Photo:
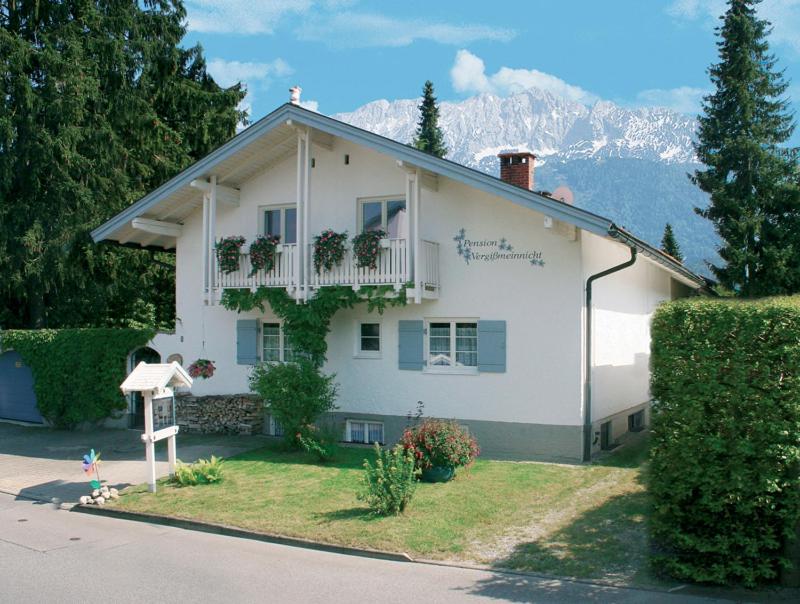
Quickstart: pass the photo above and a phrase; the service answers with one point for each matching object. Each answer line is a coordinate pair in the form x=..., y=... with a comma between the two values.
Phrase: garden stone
x=84, y=499
x=96, y=493
x=100, y=500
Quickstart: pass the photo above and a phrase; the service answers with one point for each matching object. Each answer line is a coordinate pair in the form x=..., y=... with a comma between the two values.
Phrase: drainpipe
x=587, y=384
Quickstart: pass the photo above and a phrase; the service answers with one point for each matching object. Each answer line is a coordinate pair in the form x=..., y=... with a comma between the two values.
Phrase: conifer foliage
x=751, y=175
x=430, y=137
x=669, y=244
x=98, y=105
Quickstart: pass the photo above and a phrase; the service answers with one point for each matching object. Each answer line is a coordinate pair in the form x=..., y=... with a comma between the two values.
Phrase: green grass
x=585, y=521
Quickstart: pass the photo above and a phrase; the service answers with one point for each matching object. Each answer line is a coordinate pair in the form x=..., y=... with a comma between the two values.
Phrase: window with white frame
x=280, y=221
x=385, y=214
x=364, y=431
x=276, y=346
x=368, y=339
x=452, y=343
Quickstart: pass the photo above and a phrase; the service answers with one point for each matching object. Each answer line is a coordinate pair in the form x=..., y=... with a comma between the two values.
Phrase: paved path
x=49, y=555
x=44, y=464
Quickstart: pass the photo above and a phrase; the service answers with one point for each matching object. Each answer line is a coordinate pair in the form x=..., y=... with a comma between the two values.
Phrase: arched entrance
x=148, y=355
x=17, y=398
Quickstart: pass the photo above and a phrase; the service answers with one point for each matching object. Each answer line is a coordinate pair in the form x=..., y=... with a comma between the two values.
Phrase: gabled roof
x=155, y=376
x=272, y=134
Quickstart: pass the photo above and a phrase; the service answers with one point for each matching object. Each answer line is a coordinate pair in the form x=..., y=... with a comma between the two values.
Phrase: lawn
x=583, y=521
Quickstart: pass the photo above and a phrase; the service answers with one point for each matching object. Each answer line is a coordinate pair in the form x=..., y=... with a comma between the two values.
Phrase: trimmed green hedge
x=76, y=372
x=726, y=437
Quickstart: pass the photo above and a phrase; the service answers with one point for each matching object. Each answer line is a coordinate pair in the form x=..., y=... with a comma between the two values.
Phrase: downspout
x=587, y=384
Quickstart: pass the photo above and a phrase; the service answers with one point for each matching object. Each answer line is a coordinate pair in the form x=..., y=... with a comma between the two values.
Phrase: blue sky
x=345, y=53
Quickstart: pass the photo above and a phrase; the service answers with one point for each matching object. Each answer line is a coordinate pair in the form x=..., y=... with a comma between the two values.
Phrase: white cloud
x=310, y=105
x=683, y=99
x=241, y=16
x=468, y=74
x=349, y=29
x=228, y=73
x=784, y=15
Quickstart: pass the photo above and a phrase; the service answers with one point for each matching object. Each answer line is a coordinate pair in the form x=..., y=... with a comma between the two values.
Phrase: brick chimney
x=517, y=168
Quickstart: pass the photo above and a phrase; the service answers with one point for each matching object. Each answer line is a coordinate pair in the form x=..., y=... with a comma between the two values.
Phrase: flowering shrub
x=202, y=368
x=262, y=253
x=329, y=249
x=388, y=487
x=440, y=443
x=228, y=251
x=367, y=248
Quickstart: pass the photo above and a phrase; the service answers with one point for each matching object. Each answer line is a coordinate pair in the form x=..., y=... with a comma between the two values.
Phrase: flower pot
x=437, y=474
x=278, y=248
x=385, y=243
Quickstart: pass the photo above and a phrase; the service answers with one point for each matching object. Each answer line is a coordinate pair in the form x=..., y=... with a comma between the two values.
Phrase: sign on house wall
x=492, y=250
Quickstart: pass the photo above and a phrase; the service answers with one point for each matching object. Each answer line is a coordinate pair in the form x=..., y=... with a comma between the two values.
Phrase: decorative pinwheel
x=89, y=465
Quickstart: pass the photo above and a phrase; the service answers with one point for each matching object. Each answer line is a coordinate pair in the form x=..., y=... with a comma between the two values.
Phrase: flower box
x=385, y=243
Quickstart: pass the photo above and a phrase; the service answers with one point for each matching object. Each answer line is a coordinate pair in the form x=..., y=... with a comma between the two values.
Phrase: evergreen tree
x=670, y=245
x=98, y=105
x=751, y=177
x=429, y=137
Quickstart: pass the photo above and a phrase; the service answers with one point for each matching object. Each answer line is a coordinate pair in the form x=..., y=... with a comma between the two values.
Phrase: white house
x=528, y=318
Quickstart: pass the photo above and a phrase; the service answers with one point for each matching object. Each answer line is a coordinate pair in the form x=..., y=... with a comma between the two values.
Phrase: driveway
x=41, y=463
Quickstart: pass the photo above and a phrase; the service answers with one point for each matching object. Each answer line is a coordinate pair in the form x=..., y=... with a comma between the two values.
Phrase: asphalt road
x=53, y=555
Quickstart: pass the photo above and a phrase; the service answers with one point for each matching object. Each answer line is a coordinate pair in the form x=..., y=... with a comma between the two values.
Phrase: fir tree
x=99, y=103
x=751, y=177
x=669, y=244
x=429, y=136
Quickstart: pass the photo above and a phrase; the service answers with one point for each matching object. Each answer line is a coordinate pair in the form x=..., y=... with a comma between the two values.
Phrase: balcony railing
x=394, y=267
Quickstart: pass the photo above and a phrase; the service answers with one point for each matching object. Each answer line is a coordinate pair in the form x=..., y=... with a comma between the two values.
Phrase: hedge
x=76, y=372
x=726, y=438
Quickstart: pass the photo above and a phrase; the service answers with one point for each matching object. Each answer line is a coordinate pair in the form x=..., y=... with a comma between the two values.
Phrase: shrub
x=77, y=372
x=321, y=441
x=388, y=487
x=296, y=394
x=203, y=471
x=440, y=443
x=726, y=437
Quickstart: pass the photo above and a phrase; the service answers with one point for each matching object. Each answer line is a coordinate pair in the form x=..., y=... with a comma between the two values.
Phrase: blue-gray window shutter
x=492, y=346
x=411, y=345
x=247, y=341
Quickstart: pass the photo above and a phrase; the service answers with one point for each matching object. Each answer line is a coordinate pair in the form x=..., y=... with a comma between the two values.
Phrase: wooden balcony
x=394, y=267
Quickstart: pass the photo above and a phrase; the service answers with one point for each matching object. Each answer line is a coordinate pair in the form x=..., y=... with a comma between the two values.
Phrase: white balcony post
x=306, y=208
x=417, y=186
x=206, y=251
x=212, y=235
x=299, y=260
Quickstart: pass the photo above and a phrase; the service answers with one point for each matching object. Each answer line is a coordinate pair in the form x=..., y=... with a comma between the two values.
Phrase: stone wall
x=228, y=413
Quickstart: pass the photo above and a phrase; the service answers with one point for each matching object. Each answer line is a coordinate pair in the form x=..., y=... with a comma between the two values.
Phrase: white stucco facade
x=534, y=406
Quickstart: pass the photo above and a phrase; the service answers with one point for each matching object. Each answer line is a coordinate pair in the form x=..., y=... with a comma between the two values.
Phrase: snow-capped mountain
x=629, y=164
x=479, y=127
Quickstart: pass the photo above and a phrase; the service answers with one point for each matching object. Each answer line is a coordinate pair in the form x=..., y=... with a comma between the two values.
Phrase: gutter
x=587, y=384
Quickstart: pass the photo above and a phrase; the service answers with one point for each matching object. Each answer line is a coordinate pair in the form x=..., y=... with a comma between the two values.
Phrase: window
x=452, y=344
x=636, y=421
x=368, y=340
x=276, y=344
x=384, y=214
x=367, y=432
x=281, y=221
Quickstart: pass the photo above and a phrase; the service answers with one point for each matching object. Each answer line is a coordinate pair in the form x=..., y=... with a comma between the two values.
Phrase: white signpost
x=156, y=383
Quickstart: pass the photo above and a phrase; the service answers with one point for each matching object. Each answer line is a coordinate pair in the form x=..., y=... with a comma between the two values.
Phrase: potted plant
x=202, y=368
x=262, y=253
x=229, y=250
x=329, y=249
x=367, y=248
x=440, y=446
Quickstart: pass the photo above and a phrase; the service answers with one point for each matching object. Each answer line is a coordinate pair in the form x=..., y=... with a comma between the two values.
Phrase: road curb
x=230, y=531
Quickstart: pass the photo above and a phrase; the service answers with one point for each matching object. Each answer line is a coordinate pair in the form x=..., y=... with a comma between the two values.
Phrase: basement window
x=364, y=431
x=636, y=421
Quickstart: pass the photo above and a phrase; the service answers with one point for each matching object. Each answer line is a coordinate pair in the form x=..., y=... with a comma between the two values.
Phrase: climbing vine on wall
x=76, y=372
x=308, y=324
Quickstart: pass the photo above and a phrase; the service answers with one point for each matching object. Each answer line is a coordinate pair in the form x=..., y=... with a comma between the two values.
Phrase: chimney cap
x=516, y=154
x=294, y=95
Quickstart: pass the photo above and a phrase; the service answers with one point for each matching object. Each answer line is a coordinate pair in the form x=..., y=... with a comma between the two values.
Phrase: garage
x=17, y=398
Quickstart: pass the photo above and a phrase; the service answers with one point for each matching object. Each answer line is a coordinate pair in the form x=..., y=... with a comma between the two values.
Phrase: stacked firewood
x=229, y=414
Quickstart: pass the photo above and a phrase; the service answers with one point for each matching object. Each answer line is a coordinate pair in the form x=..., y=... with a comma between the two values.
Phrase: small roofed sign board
x=157, y=381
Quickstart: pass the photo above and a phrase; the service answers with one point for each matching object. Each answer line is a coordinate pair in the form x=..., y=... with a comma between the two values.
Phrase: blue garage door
x=17, y=399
